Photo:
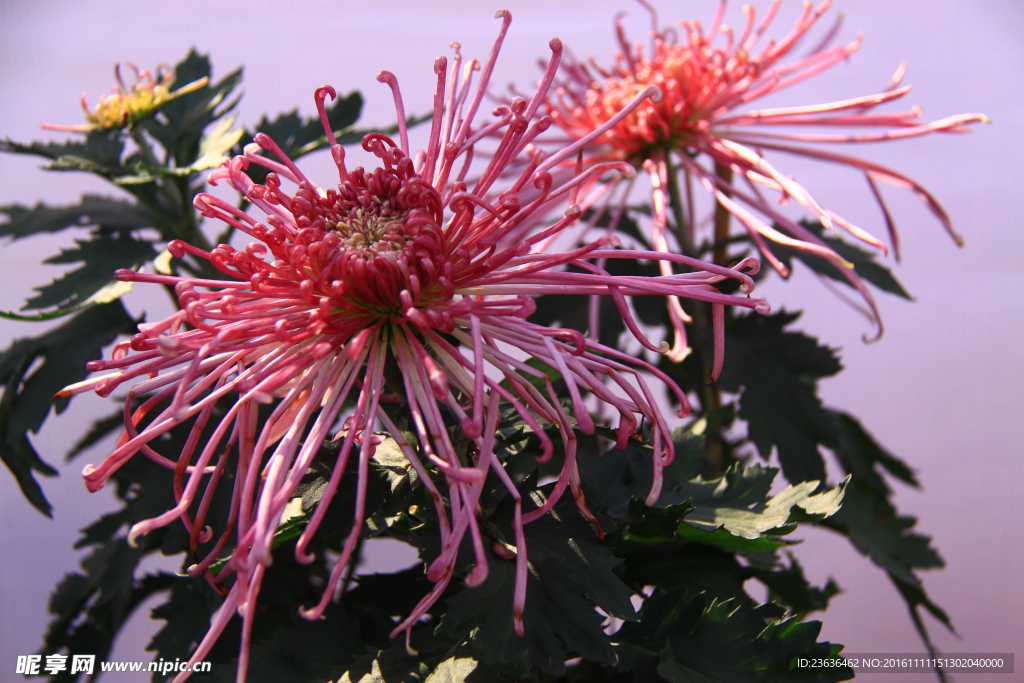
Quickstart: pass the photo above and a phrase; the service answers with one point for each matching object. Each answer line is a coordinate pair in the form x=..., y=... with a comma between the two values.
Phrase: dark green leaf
x=859, y=454
x=735, y=507
x=64, y=351
x=106, y=214
x=100, y=256
x=187, y=613
x=864, y=263
x=725, y=641
x=872, y=525
x=180, y=123
x=696, y=567
x=303, y=651
x=100, y=429
x=876, y=531
x=777, y=371
x=616, y=478
x=553, y=605
x=100, y=153
x=788, y=585
x=570, y=572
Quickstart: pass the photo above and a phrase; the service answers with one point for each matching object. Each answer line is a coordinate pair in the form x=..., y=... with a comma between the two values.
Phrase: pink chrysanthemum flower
x=701, y=128
x=126, y=105
x=391, y=265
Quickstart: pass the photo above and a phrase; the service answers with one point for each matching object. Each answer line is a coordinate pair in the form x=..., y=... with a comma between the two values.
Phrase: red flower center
x=377, y=234
x=693, y=79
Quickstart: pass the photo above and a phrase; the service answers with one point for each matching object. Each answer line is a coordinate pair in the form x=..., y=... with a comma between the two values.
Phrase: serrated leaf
x=872, y=525
x=859, y=454
x=302, y=652
x=187, y=612
x=553, y=605
x=616, y=478
x=725, y=641
x=876, y=531
x=777, y=513
x=99, y=153
x=789, y=585
x=864, y=262
x=97, y=432
x=21, y=459
x=569, y=574
x=27, y=397
x=216, y=142
x=730, y=512
x=564, y=536
x=777, y=371
x=180, y=124
x=106, y=214
x=101, y=257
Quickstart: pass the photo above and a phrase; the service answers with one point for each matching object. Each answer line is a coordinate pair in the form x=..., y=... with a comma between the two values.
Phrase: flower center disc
x=378, y=234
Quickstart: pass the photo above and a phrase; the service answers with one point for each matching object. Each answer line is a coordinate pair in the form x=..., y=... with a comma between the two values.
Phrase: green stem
x=721, y=255
x=684, y=232
x=701, y=328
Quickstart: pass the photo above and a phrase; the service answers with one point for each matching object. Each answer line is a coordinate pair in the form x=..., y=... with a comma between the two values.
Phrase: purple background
x=942, y=389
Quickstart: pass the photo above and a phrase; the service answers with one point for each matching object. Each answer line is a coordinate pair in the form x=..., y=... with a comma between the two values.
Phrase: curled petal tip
x=665, y=348
x=503, y=13
x=325, y=90
x=555, y=44
x=654, y=93
x=134, y=533
x=310, y=613
x=477, y=576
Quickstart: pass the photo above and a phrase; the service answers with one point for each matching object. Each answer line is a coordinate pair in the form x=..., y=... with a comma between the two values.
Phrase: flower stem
x=709, y=394
x=721, y=256
x=684, y=232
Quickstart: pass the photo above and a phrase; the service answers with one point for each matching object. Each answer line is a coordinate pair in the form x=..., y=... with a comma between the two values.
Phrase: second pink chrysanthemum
x=703, y=132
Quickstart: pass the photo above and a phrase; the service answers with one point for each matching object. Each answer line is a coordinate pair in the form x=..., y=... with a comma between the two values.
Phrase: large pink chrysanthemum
x=701, y=128
x=389, y=266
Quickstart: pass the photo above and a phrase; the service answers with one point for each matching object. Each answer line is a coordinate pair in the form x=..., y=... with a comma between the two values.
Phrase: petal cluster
x=409, y=266
x=701, y=128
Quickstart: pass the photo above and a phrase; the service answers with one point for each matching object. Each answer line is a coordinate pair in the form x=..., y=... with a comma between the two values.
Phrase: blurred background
x=943, y=389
